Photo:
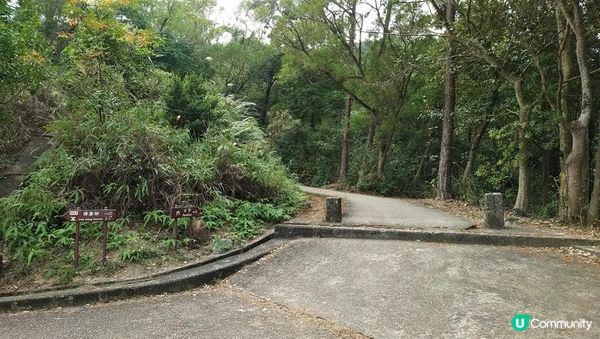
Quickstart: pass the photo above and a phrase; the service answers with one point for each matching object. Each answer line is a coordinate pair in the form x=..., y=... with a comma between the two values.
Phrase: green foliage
x=132, y=137
x=136, y=254
x=61, y=272
x=191, y=104
x=243, y=218
x=550, y=210
x=23, y=53
x=220, y=244
x=137, y=163
x=157, y=217
x=168, y=243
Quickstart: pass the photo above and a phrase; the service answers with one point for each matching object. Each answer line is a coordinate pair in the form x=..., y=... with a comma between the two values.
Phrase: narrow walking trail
x=367, y=210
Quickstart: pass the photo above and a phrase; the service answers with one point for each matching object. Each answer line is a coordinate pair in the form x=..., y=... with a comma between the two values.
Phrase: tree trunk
x=468, y=173
x=265, y=109
x=594, y=210
x=522, y=201
x=419, y=174
x=371, y=133
x=445, y=166
x=345, y=140
x=576, y=165
x=574, y=169
x=383, y=149
x=469, y=168
x=562, y=95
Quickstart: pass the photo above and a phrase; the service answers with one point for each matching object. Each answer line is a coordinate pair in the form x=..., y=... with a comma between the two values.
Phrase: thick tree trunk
x=522, y=201
x=345, y=140
x=574, y=169
x=445, y=166
x=576, y=166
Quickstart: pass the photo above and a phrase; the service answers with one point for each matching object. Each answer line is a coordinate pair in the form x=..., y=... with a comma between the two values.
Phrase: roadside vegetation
x=129, y=135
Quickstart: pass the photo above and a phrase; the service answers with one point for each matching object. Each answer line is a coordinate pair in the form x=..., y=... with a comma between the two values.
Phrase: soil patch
x=313, y=211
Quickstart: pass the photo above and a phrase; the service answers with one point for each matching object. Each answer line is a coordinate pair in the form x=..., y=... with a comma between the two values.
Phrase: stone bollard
x=333, y=209
x=494, y=212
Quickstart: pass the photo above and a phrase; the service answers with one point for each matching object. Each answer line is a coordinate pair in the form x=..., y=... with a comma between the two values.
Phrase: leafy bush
x=136, y=254
x=221, y=245
x=190, y=103
x=135, y=162
x=243, y=218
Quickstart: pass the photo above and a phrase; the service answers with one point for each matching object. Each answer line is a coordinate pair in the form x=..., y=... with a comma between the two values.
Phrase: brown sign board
x=91, y=215
x=184, y=212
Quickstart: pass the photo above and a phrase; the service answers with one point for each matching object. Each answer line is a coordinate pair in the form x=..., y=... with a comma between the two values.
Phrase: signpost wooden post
x=77, y=216
x=184, y=212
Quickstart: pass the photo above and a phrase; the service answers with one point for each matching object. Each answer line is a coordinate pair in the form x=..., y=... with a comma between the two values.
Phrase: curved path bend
x=367, y=210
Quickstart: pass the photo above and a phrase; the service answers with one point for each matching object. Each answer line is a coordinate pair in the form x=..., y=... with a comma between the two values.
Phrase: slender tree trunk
x=522, y=201
x=422, y=163
x=265, y=109
x=468, y=173
x=445, y=166
x=469, y=168
x=562, y=94
x=383, y=149
x=345, y=140
x=371, y=133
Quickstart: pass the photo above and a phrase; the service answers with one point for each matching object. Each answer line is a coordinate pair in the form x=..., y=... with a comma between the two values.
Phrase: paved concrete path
x=396, y=289
x=217, y=312
x=323, y=288
x=362, y=210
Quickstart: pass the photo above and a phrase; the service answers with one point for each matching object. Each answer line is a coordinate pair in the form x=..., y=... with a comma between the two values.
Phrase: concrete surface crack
x=330, y=326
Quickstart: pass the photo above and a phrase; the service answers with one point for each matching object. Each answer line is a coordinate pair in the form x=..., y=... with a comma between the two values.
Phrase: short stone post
x=494, y=211
x=333, y=209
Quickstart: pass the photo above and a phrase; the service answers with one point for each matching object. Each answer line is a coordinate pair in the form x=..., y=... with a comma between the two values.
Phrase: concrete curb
x=290, y=231
x=167, y=282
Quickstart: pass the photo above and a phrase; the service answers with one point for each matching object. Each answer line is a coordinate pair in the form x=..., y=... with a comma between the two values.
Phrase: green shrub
x=136, y=162
x=136, y=254
x=243, y=218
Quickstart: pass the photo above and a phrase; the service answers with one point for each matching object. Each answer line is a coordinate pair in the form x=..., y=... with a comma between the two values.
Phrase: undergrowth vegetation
x=137, y=163
x=138, y=139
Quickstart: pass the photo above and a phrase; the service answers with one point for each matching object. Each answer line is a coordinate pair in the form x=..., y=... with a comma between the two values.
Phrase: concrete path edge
x=291, y=231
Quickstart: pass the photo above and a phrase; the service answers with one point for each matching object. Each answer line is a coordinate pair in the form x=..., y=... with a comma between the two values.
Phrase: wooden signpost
x=184, y=212
x=77, y=216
